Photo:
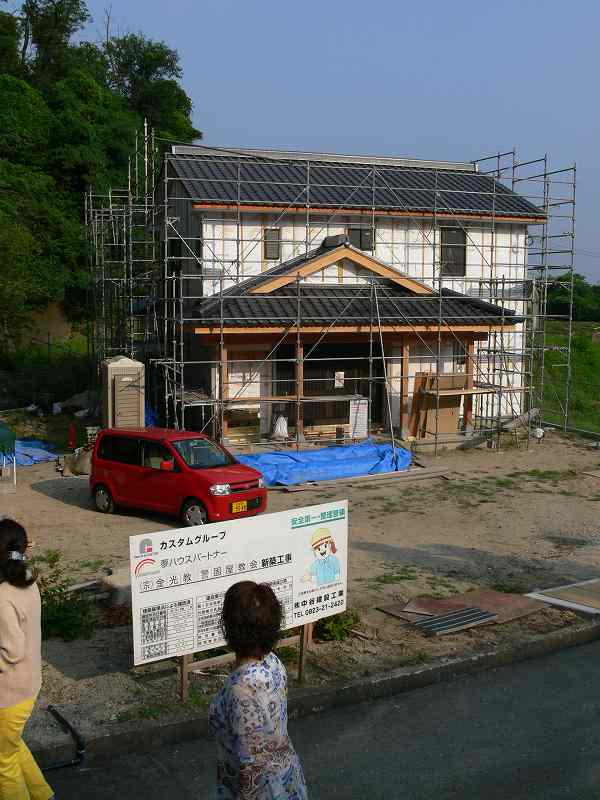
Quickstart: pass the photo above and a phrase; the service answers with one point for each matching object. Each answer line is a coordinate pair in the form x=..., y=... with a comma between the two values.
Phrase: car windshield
x=202, y=453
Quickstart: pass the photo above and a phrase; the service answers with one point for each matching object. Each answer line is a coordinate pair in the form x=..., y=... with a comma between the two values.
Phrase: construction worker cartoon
x=326, y=565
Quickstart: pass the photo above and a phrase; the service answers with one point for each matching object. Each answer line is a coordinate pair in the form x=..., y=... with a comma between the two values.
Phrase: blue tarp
x=290, y=467
x=33, y=451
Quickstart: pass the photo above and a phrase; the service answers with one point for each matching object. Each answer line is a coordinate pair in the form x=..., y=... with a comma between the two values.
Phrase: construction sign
x=179, y=577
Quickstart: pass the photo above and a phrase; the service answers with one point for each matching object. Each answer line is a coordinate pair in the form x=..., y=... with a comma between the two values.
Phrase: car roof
x=156, y=434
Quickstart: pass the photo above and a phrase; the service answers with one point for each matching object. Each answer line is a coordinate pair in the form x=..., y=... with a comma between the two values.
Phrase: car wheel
x=193, y=513
x=103, y=500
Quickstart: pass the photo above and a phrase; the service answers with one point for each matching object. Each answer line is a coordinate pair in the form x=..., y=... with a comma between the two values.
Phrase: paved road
x=527, y=731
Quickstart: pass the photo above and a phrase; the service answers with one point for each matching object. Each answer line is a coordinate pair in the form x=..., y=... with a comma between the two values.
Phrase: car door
x=124, y=468
x=159, y=489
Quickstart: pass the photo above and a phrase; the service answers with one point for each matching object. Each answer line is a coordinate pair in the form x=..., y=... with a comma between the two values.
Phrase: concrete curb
x=137, y=737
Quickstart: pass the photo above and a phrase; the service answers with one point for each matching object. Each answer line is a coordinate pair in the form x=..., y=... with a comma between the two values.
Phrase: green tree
x=586, y=298
x=48, y=26
x=146, y=74
x=9, y=44
x=25, y=122
x=93, y=134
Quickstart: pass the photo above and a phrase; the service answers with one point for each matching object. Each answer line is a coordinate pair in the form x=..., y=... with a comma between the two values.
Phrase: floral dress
x=256, y=759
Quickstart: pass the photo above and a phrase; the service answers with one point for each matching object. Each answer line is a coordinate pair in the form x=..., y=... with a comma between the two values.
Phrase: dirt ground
x=513, y=520
x=526, y=518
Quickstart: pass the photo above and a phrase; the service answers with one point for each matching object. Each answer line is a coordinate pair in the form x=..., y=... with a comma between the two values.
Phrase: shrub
x=64, y=615
x=338, y=627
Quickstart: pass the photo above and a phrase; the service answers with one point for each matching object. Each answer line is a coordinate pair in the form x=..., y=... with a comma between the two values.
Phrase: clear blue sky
x=445, y=80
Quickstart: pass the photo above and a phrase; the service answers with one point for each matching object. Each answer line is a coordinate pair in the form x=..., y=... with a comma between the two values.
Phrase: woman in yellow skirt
x=20, y=666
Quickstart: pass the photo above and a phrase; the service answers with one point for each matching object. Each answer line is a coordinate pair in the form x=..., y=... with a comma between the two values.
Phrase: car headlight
x=261, y=483
x=220, y=489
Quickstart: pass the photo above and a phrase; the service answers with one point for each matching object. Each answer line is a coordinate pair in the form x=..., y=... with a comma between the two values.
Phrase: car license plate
x=241, y=505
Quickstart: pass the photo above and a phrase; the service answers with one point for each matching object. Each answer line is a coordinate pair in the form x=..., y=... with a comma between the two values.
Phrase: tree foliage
x=69, y=111
x=586, y=298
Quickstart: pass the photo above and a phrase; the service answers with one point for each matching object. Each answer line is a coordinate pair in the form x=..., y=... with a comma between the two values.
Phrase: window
x=202, y=453
x=361, y=238
x=155, y=454
x=121, y=449
x=454, y=252
x=272, y=244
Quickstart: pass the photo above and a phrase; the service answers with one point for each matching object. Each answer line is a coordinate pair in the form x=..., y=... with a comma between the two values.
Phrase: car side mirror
x=167, y=466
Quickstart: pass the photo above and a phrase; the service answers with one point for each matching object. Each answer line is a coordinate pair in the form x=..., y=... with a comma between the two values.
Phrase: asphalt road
x=527, y=731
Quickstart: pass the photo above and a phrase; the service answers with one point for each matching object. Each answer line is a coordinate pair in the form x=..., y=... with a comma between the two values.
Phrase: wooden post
x=305, y=643
x=184, y=677
x=404, y=432
x=469, y=367
x=224, y=387
x=299, y=390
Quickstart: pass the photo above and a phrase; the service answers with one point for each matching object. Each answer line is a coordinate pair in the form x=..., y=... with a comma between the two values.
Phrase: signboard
x=179, y=577
x=359, y=418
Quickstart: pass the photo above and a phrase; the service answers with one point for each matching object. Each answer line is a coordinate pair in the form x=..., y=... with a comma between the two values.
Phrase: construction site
x=323, y=297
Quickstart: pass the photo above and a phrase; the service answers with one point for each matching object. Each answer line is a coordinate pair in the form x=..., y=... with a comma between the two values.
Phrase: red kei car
x=174, y=472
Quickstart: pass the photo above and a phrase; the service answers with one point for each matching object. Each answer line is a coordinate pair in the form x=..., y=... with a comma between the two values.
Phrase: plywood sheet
x=584, y=596
x=397, y=611
x=506, y=606
x=434, y=606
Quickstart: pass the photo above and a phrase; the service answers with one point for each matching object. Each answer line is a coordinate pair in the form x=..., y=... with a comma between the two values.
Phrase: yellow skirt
x=20, y=776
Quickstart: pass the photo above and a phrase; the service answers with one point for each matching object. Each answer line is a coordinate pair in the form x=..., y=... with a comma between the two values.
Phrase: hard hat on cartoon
x=322, y=536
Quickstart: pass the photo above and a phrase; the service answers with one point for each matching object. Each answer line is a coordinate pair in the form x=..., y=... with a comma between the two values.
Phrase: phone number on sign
x=319, y=609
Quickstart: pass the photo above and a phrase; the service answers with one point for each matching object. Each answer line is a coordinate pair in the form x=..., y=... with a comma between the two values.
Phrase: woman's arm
x=12, y=636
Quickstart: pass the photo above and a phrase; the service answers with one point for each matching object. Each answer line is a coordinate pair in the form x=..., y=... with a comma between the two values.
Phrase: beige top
x=20, y=644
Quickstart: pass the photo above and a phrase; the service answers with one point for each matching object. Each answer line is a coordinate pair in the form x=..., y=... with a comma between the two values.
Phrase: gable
x=344, y=257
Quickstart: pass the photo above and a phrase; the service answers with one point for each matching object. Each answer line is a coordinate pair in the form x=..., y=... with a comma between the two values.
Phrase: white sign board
x=359, y=418
x=179, y=577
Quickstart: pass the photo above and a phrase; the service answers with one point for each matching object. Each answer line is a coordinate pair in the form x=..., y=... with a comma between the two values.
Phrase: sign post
x=179, y=579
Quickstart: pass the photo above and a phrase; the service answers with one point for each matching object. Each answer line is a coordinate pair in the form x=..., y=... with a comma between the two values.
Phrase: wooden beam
x=404, y=387
x=332, y=257
x=224, y=386
x=433, y=328
x=290, y=209
x=469, y=367
x=299, y=389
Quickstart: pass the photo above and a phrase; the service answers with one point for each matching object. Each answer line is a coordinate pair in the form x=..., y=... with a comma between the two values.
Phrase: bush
x=64, y=615
x=338, y=627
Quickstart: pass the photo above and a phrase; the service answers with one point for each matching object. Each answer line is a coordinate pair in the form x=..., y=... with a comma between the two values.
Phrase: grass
x=398, y=576
x=338, y=627
x=413, y=659
x=289, y=655
x=585, y=370
x=508, y=587
x=197, y=698
x=149, y=711
x=94, y=565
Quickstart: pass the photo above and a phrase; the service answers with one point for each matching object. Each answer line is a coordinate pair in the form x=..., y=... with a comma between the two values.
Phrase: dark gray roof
x=348, y=304
x=324, y=184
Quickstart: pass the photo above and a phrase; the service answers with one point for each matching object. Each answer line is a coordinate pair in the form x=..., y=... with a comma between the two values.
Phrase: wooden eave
x=379, y=212
x=216, y=330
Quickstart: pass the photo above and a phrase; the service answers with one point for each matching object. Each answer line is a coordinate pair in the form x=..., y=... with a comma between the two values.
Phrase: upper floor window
x=453, y=252
x=272, y=244
x=361, y=238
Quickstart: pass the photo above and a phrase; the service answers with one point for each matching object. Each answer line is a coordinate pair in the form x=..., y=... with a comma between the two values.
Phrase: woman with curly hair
x=20, y=666
x=256, y=759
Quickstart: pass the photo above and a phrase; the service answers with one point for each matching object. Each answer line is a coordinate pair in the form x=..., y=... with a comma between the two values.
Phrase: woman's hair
x=251, y=618
x=13, y=544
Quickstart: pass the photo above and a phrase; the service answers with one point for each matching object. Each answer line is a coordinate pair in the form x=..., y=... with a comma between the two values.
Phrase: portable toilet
x=123, y=395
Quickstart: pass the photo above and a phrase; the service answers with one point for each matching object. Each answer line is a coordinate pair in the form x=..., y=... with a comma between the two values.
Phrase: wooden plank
x=278, y=329
x=379, y=212
x=420, y=381
x=406, y=476
x=404, y=386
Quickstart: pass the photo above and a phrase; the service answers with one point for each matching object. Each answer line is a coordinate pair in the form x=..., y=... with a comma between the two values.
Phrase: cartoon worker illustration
x=326, y=566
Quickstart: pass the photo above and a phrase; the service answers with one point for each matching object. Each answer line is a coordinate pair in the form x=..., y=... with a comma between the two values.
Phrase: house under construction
x=348, y=295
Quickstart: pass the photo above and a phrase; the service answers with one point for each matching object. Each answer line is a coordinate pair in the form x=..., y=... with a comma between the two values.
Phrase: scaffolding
x=151, y=276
